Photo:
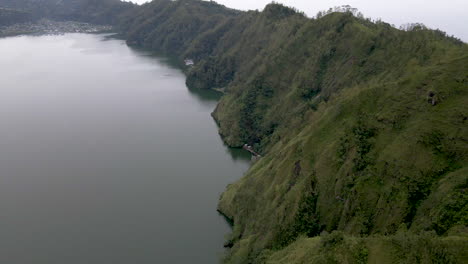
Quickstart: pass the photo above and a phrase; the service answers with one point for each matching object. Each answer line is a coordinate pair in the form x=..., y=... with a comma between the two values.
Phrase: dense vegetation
x=172, y=26
x=363, y=128
x=11, y=16
x=92, y=11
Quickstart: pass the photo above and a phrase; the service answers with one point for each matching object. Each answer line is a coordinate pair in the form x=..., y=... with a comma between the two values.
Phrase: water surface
x=106, y=157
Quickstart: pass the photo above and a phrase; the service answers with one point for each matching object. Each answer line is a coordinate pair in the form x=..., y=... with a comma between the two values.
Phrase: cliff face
x=363, y=128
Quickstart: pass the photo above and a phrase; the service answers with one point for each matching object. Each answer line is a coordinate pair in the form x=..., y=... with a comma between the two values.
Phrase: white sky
x=450, y=16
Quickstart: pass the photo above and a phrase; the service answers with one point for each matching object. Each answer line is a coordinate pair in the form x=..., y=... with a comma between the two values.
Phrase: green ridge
x=362, y=127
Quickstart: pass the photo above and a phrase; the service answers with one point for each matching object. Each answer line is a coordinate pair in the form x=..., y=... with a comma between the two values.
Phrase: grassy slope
x=342, y=108
x=399, y=248
x=364, y=128
x=374, y=155
x=372, y=158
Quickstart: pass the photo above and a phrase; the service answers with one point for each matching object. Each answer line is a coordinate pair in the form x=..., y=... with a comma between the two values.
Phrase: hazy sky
x=450, y=16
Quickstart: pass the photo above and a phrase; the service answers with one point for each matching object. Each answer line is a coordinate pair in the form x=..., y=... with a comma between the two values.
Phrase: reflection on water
x=205, y=95
x=239, y=154
x=106, y=156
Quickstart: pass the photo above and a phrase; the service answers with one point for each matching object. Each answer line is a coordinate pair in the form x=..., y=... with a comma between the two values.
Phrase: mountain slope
x=172, y=26
x=373, y=159
x=12, y=16
x=362, y=127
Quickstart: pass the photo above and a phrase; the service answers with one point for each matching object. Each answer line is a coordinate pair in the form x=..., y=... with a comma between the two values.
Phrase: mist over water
x=106, y=156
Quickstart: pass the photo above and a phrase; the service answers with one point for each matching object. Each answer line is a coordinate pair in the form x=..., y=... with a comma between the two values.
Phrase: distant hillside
x=363, y=128
x=172, y=26
x=93, y=11
x=11, y=16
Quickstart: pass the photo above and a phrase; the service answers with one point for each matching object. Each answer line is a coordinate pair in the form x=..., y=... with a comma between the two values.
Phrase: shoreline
x=51, y=27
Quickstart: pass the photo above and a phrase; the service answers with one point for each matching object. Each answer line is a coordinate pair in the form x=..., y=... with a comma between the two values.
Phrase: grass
x=403, y=247
x=362, y=128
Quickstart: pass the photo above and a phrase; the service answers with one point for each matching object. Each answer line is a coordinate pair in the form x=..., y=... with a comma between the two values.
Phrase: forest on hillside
x=363, y=127
x=12, y=16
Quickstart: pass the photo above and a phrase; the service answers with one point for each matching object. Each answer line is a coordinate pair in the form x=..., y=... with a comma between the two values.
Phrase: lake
x=106, y=156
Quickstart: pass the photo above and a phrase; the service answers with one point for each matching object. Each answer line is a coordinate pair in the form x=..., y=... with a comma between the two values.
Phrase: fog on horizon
x=449, y=16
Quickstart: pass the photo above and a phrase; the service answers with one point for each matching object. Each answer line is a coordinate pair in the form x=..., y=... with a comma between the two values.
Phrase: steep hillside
x=172, y=26
x=363, y=128
x=373, y=159
x=400, y=248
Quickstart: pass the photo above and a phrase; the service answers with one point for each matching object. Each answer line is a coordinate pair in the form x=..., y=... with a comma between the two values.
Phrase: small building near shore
x=189, y=62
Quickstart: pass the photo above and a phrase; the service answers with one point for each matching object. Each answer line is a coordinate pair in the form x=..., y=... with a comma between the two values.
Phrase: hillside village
x=52, y=27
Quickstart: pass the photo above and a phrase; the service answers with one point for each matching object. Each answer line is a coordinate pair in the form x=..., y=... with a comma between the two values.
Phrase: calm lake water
x=106, y=156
